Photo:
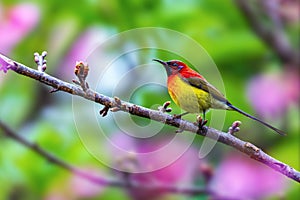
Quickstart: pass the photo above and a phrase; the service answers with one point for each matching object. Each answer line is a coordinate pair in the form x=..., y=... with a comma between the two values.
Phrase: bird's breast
x=189, y=98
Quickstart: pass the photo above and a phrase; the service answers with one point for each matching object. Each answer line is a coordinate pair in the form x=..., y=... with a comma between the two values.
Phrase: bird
x=194, y=94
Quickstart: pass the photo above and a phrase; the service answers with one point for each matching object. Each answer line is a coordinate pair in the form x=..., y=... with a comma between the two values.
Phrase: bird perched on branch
x=194, y=94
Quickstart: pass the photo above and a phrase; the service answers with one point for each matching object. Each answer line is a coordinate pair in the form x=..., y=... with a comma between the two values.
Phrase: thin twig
x=272, y=33
x=225, y=138
x=97, y=179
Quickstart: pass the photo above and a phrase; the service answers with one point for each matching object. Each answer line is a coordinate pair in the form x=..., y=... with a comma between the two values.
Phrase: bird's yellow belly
x=190, y=99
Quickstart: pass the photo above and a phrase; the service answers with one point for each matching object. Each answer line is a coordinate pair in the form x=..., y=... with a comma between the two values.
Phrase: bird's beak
x=161, y=62
x=165, y=64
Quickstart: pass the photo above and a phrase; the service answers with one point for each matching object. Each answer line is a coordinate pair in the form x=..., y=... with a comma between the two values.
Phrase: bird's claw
x=177, y=116
x=201, y=122
x=180, y=115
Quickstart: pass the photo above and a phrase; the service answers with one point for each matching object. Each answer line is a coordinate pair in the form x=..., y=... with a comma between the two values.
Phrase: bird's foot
x=177, y=116
x=180, y=115
x=200, y=122
x=165, y=107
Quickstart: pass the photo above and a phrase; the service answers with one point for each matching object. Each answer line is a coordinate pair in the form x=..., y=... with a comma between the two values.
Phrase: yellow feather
x=189, y=98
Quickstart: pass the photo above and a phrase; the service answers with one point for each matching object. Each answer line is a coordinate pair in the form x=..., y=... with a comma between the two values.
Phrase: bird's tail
x=254, y=118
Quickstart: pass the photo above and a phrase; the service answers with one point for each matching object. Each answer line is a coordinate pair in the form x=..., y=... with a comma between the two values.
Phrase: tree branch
x=225, y=138
x=272, y=34
x=96, y=179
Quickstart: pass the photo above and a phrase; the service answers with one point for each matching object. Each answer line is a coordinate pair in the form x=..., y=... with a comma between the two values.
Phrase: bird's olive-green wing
x=207, y=87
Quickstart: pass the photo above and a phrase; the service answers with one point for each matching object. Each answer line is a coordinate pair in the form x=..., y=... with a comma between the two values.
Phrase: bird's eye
x=175, y=64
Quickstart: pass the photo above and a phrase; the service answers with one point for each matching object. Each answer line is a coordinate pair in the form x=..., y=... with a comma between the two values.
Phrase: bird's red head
x=173, y=66
x=176, y=67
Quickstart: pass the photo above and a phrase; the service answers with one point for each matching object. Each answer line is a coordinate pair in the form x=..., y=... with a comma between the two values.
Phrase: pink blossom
x=82, y=47
x=180, y=172
x=83, y=188
x=292, y=86
x=239, y=176
x=3, y=66
x=6, y=64
x=15, y=23
x=272, y=93
x=289, y=11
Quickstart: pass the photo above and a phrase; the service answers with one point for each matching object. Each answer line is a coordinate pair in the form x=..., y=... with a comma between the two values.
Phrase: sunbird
x=194, y=94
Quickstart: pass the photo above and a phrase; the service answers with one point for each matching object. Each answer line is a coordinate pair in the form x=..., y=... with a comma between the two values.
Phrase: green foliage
x=217, y=25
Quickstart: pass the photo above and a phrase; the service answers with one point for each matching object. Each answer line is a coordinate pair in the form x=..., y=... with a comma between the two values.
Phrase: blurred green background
x=256, y=80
